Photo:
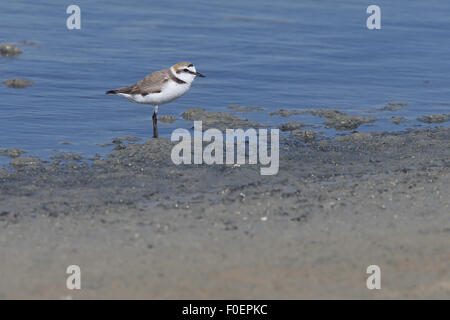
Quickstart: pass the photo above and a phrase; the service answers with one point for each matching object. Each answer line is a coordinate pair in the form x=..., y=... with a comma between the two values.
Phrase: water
x=273, y=54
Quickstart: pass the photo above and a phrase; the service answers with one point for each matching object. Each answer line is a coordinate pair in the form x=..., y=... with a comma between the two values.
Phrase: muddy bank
x=141, y=227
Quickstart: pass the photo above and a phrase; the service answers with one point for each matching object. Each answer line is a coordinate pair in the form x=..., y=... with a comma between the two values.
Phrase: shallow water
x=273, y=54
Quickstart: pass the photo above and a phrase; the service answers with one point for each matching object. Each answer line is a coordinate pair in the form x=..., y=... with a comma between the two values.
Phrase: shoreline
x=341, y=123
x=140, y=227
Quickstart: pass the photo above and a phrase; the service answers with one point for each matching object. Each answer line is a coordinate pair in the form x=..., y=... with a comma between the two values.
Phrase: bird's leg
x=155, y=123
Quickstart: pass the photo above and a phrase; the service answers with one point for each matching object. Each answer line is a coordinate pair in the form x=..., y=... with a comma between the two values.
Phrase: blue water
x=273, y=54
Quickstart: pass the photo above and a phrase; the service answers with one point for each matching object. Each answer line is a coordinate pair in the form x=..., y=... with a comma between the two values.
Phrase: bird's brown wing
x=152, y=83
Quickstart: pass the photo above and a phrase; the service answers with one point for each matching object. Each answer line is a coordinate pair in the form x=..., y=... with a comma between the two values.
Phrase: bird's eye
x=185, y=70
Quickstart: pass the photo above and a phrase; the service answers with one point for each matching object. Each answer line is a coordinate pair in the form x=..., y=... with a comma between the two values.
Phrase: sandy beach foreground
x=140, y=227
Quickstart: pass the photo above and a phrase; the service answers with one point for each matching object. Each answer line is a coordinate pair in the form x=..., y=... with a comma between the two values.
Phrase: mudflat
x=141, y=227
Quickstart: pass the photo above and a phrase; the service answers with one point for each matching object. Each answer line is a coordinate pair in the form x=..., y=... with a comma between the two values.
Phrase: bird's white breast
x=169, y=92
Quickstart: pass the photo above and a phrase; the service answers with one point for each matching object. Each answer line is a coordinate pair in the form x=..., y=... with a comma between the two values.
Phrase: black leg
x=155, y=125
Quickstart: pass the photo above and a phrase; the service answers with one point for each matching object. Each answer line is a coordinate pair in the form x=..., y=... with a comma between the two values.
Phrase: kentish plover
x=160, y=87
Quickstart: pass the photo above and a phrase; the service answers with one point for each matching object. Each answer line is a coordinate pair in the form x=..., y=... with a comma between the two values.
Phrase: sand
x=140, y=227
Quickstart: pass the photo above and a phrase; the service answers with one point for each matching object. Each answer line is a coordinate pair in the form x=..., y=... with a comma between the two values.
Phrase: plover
x=160, y=87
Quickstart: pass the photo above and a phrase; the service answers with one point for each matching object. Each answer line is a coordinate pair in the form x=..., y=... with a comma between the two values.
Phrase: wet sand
x=141, y=227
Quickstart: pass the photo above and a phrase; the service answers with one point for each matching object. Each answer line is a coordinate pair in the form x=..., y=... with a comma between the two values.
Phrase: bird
x=160, y=87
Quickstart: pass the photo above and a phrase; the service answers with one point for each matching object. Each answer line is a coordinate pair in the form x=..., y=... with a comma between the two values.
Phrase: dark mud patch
x=238, y=108
x=18, y=83
x=341, y=121
x=118, y=140
x=347, y=122
x=291, y=125
x=435, y=118
x=397, y=104
x=334, y=118
x=306, y=136
x=324, y=113
x=68, y=156
x=397, y=120
x=11, y=152
x=287, y=113
x=219, y=120
x=21, y=162
x=390, y=106
x=167, y=119
x=8, y=50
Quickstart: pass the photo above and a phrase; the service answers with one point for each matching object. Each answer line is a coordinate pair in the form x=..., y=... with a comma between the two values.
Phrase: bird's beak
x=198, y=74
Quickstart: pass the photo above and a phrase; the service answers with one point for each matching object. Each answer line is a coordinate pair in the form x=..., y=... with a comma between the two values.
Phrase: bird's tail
x=128, y=90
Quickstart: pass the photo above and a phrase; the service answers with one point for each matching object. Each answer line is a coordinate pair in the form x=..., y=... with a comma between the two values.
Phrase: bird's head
x=185, y=71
